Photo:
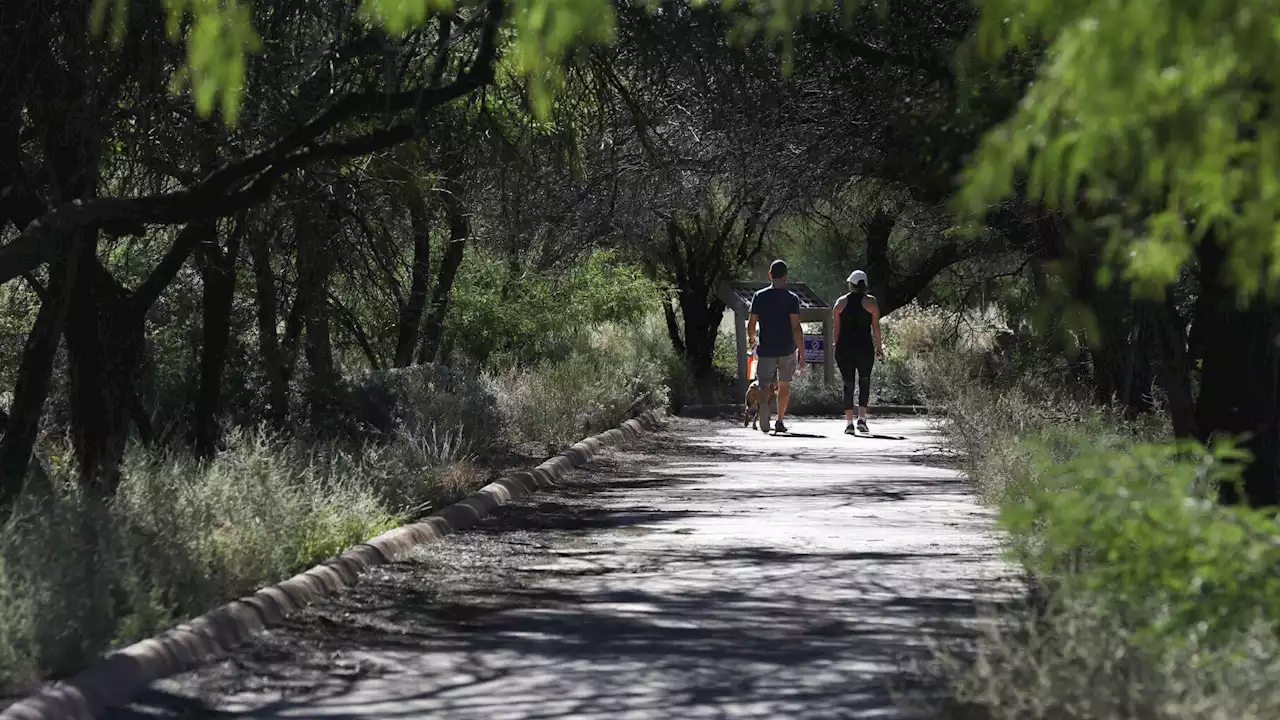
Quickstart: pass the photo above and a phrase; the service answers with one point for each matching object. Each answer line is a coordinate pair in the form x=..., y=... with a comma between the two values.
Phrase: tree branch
x=167, y=269
x=244, y=182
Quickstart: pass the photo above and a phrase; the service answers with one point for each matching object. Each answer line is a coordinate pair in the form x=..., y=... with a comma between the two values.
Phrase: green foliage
x=400, y=16
x=726, y=352
x=219, y=37
x=78, y=576
x=1163, y=103
x=1138, y=527
x=417, y=400
x=18, y=307
x=499, y=317
x=539, y=35
x=615, y=373
x=546, y=31
x=1157, y=603
x=1161, y=603
x=1074, y=660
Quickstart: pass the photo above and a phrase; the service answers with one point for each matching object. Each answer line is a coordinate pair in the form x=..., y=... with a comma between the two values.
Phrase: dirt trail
x=707, y=571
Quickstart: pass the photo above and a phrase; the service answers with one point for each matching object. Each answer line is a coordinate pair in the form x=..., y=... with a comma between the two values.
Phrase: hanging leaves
x=1167, y=104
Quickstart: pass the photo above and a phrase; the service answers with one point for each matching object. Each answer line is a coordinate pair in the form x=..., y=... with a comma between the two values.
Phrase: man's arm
x=752, y=321
x=797, y=333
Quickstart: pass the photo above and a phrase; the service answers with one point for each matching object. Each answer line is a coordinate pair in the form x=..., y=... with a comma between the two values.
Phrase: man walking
x=776, y=310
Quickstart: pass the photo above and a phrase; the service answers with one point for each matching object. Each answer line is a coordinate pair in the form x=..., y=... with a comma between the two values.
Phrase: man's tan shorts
x=783, y=367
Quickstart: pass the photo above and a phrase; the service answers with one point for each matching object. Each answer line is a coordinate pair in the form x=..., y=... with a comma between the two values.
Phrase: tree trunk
x=1168, y=334
x=273, y=363
x=409, y=323
x=105, y=335
x=701, y=318
x=1240, y=377
x=293, y=326
x=102, y=386
x=219, y=275
x=1121, y=347
x=459, y=232
x=35, y=374
x=879, y=267
x=315, y=263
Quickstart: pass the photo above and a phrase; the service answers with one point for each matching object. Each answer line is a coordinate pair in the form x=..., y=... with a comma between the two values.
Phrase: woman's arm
x=837, y=310
x=873, y=307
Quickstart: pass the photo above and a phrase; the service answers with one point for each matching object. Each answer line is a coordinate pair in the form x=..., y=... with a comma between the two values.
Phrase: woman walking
x=857, y=319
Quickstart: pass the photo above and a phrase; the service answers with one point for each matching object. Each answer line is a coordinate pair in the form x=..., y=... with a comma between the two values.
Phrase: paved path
x=708, y=572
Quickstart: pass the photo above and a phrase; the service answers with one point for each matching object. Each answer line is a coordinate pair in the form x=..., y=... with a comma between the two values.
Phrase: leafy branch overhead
x=1169, y=104
x=219, y=36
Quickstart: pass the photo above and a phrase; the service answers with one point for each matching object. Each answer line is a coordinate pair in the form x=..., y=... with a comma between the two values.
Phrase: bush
x=985, y=423
x=555, y=404
x=499, y=318
x=1163, y=605
x=1072, y=660
x=1155, y=601
x=1137, y=526
x=379, y=405
x=428, y=397
x=77, y=575
x=810, y=389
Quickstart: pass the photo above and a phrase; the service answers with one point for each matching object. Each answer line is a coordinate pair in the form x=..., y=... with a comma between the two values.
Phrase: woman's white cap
x=856, y=277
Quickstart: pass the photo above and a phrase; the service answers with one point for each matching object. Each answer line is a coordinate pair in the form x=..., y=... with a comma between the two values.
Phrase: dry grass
x=1121, y=625
x=78, y=576
x=1073, y=661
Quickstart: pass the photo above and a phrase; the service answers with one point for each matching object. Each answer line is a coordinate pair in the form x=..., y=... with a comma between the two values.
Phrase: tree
x=65, y=104
x=1155, y=122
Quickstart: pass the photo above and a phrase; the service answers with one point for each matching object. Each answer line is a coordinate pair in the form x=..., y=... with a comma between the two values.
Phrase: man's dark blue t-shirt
x=775, y=306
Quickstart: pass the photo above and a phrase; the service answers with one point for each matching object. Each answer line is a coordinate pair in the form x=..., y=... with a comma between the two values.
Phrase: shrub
x=1156, y=601
x=1137, y=526
x=77, y=575
x=1163, y=605
x=810, y=389
x=415, y=472
x=1072, y=660
x=555, y=404
x=417, y=400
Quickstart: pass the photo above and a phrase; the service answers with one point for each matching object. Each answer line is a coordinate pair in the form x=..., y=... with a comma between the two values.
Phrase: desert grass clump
x=79, y=574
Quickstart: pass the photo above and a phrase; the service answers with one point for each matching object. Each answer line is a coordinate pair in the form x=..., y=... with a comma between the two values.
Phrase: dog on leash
x=752, y=415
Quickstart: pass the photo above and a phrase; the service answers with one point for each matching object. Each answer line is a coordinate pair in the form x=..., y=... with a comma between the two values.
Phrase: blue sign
x=815, y=348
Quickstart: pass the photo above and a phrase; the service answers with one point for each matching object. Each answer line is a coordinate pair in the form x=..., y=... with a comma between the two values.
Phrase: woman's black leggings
x=856, y=363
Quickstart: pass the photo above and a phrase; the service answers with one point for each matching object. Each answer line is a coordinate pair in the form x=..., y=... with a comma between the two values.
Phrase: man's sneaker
x=850, y=430
x=764, y=426
x=778, y=427
x=862, y=425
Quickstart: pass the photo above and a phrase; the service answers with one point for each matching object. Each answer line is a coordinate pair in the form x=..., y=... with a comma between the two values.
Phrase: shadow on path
x=662, y=585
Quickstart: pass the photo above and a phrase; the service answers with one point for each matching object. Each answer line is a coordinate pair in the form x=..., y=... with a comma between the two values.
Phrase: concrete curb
x=121, y=676
x=805, y=409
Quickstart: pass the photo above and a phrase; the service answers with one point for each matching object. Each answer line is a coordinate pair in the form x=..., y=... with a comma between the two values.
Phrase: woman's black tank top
x=855, y=322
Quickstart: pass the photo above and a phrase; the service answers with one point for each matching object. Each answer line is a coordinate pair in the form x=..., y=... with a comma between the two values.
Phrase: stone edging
x=121, y=676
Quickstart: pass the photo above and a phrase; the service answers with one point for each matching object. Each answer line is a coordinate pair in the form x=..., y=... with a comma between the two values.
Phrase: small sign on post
x=814, y=349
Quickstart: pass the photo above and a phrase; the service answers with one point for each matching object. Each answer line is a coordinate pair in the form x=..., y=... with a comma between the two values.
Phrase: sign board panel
x=814, y=348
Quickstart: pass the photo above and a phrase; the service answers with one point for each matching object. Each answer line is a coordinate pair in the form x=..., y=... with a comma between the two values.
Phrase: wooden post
x=740, y=335
x=829, y=349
